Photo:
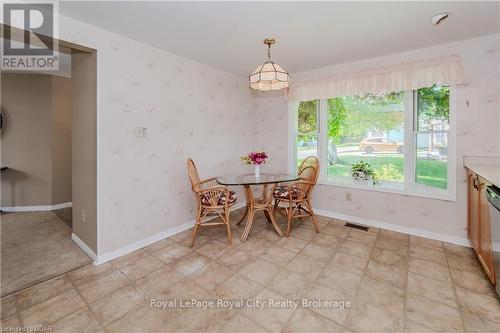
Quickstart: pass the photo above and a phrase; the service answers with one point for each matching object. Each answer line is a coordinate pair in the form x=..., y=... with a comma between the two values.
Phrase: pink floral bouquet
x=256, y=158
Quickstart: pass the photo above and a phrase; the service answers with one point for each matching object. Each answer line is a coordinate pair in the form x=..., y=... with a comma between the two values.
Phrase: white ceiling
x=228, y=35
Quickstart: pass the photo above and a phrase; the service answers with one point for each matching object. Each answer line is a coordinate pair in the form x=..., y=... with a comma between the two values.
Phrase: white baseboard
x=394, y=227
x=84, y=247
x=102, y=258
x=37, y=208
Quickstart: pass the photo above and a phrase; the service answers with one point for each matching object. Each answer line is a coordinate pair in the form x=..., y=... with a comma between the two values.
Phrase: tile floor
x=36, y=246
x=395, y=283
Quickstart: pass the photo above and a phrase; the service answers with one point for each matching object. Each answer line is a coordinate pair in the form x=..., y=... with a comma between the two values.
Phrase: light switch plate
x=141, y=132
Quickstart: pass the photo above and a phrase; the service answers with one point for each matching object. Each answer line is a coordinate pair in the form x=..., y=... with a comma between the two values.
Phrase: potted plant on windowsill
x=363, y=172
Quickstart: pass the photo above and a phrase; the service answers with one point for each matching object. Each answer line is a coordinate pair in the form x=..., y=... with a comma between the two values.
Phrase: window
x=403, y=135
x=306, y=140
x=368, y=128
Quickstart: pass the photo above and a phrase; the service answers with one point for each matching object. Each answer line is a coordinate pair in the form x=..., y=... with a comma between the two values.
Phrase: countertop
x=488, y=168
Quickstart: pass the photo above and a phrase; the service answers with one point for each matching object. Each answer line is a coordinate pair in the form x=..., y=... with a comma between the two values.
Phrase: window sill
x=391, y=187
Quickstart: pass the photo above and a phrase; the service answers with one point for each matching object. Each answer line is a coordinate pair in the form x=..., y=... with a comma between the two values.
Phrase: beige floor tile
x=260, y=271
x=396, y=259
x=292, y=244
x=327, y=241
x=336, y=230
x=89, y=273
x=432, y=289
x=235, y=259
x=190, y=263
x=412, y=327
x=429, y=254
x=382, y=294
x=278, y=255
x=391, y=244
x=157, y=283
x=8, y=306
x=395, y=276
x=211, y=276
x=432, y=314
x=51, y=310
x=111, y=307
x=214, y=249
x=238, y=286
x=186, y=234
x=304, y=320
x=362, y=237
x=465, y=262
x=320, y=292
x=389, y=234
x=11, y=323
x=205, y=320
x=479, y=305
x=371, y=318
x=35, y=247
x=145, y=319
x=271, y=317
x=355, y=248
x=290, y=285
x=200, y=241
x=160, y=245
x=319, y=253
x=129, y=258
x=172, y=253
x=138, y=266
x=79, y=321
x=476, y=282
x=255, y=246
x=429, y=269
x=102, y=285
x=42, y=292
x=306, y=266
x=349, y=262
x=303, y=230
x=240, y=323
x=340, y=279
x=426, y=242
x=477, y=324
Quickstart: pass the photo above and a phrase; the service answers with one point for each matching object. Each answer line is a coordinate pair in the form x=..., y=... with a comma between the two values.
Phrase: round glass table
x=261, y=203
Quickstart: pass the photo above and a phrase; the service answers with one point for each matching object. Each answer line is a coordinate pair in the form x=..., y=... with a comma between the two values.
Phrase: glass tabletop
x=250, y=179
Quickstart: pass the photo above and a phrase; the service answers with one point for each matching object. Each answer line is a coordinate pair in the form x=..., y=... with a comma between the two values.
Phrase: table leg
x=256, y=204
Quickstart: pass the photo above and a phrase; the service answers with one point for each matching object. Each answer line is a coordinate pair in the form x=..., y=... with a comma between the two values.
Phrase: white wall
x=189, y=109
x=478, y=128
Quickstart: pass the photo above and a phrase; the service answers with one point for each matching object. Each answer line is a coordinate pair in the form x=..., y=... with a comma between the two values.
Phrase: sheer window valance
x=406, y=76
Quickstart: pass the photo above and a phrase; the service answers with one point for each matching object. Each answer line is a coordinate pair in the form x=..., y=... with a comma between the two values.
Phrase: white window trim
x=408, y=187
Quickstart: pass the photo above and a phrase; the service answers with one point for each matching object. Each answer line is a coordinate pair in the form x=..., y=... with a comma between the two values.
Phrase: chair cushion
x=281, y=192
x=221, y=200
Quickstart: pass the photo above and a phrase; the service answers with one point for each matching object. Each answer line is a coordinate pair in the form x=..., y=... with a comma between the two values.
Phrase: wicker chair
x=295, y=198
x=211, y=200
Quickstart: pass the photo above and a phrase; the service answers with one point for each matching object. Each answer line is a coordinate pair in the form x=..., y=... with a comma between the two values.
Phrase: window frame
x=408, y=186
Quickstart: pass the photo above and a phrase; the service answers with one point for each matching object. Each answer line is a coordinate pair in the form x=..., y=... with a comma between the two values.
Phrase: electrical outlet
x=83, y=217
x=348, y=196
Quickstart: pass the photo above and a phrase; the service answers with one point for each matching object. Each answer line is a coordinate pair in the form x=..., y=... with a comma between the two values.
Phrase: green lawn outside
x=429, y=172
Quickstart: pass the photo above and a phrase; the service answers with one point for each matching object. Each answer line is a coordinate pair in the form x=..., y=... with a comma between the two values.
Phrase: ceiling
x=228, y=35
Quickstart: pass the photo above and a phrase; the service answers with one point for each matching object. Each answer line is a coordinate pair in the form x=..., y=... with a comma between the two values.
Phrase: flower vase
x=257, y=170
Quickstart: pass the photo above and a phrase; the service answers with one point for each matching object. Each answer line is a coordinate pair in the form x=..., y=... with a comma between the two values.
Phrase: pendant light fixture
x=269, y=76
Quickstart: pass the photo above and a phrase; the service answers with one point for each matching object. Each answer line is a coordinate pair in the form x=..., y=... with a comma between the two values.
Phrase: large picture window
x=403, y=135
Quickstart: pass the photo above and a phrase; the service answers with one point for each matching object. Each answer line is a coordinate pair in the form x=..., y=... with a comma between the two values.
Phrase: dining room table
x=260, y=202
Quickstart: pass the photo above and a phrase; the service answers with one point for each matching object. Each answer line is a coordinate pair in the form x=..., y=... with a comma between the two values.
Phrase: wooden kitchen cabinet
x=478, y=223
